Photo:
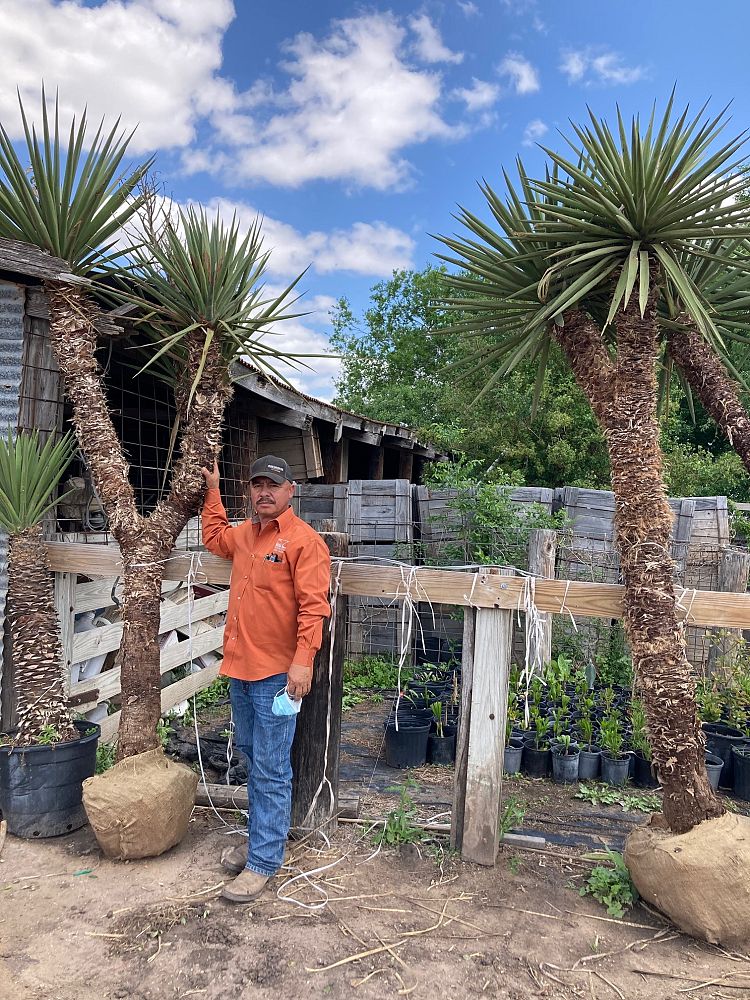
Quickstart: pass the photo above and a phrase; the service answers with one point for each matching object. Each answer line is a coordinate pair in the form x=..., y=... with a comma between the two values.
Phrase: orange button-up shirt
x=278, y=593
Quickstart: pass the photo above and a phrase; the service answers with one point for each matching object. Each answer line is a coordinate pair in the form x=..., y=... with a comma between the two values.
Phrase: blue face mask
x=284, y=705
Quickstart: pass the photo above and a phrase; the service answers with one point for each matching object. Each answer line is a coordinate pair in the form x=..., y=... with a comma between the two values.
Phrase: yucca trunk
x=144, y=565
x=35, y=638
x=145, y=542
x=712, y=384
x=623, y=396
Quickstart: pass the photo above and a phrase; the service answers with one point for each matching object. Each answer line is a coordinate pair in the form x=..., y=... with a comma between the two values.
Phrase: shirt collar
x=284, y=519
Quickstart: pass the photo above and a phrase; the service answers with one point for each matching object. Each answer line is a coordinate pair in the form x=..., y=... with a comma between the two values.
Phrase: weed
x=610, y=884
x=400, y=823
x=163, y=731
x=604, y=795
x=216, y=692
x=48, y=735
x=512, y=815
x=514, y=863
x=105, y=757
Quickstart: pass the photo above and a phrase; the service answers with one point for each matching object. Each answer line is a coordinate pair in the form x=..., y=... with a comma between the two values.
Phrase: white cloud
x=368, y=248
x=468, y=8
x=350, y=108
x=533, y=131
x=155, y=61
x=429, y=46
x=523, y=76
x=479, y=96
x=589, y=66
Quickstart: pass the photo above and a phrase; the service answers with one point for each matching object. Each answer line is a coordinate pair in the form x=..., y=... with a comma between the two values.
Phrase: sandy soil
x=74, y=926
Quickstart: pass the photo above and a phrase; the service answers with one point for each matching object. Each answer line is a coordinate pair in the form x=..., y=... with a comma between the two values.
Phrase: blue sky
x=355, y=129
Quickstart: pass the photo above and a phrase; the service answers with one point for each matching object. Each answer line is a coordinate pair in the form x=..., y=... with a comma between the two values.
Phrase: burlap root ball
x=140, y=807
x=699, y=879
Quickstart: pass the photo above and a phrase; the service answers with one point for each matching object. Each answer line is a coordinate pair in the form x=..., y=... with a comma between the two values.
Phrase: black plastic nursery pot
x=564, y=766
x=615, y=770
x=642, y=773
x=714, y=765
x=589, y=763
x=741, y=762
x=512, y=756
x=40, y=787
x=720, y=738
x=536, y=763
x=407, y=745
x=441, y=749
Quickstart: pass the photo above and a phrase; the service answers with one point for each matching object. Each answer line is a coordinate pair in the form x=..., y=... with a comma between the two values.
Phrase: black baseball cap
x=272, y=468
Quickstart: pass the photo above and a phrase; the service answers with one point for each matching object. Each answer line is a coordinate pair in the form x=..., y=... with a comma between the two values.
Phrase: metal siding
x=12, y=303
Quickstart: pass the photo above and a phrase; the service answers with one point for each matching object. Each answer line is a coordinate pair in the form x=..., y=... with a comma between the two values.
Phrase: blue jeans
x=266, y=741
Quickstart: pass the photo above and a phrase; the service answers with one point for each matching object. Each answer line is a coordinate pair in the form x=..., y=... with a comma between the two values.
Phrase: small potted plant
x=513, y=744
x=536, y=760
x=639, y=741
x=441, y=747
x=565, y=757
x=615, y=762
x=741, y=762
x=589, y=762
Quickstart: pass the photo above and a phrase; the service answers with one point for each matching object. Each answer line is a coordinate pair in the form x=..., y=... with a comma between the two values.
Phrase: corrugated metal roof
x=12, y=302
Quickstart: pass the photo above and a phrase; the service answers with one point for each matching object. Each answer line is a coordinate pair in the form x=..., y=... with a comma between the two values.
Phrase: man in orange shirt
x=278, y=600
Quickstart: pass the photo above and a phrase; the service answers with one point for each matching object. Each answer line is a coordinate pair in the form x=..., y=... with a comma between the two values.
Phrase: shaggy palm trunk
x=623, y=396
x=710, y=381
x=145, y=542
x=144, y=565
x=35, y=638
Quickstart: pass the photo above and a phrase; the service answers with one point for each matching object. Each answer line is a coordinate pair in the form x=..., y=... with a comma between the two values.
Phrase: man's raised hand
x=212, y=476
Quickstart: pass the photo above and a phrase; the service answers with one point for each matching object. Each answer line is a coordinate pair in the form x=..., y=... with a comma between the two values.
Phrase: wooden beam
x=464, y=728
x=587, y=600
x=542, y=552
x=280, y=414
x=484, y=766
x=315, y=751
x=65, y=597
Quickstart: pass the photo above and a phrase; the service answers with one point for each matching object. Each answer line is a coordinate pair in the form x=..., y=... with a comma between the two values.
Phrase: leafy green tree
x=399, y=365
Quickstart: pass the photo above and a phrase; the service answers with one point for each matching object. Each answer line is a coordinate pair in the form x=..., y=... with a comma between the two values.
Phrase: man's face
x=269, y=499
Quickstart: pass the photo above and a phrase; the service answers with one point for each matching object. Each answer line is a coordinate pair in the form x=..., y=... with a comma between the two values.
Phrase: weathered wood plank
x=464, y=728
x=542, y=551
x=589, y=600
x=65, y=591
x=96, y=641
x=107, y=684
x=484, y=768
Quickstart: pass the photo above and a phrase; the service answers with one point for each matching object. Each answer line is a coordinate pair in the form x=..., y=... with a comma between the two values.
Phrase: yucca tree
x=77, y=206
x=30, y=473
x=198, y=286
x=614, y=234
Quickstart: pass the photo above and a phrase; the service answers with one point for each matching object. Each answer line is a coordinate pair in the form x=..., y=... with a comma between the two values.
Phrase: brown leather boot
x=234, y=859
x=245, y=888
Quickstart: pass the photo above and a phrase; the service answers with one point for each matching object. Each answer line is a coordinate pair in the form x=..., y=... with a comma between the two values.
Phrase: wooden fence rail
x=439, y=586
x=492, y=595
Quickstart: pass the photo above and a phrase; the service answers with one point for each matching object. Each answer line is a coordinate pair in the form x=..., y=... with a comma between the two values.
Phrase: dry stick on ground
x=691, y=979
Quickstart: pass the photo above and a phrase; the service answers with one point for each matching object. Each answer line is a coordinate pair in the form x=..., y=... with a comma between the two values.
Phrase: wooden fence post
x=315, y=752
x=734, y=569
x=486, y=707
x=542, y=552
x=464, y=727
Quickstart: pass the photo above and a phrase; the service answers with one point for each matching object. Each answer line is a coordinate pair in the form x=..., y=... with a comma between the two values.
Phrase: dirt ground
x=75, y=926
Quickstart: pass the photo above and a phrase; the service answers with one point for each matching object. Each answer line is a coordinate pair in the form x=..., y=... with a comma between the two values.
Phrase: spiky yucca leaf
x=203, y=274
x=640, y=204
x=29, y=474
x=71, y=203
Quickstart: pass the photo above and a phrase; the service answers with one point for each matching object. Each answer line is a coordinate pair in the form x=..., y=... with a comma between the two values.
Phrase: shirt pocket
x=271, y=575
